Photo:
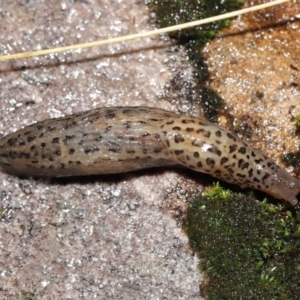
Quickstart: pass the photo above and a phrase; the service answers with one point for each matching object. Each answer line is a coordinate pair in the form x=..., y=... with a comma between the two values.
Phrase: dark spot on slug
x=215, y=150
x=240, y=162
x=210, y=162
x=185, y=121
x=107, y=129
x=31, y=138
x=11, y=142
x=258, y=160
x=50, y=128
x=127, y=125
x=204, y=132
x=170, y=122
x=13, y=154
x=245, y=166
x=110, y=115
x=265, y=177
x=242, y=150
x=87, y=151
x=98, y=138
x=69, y=125
x=68, y=137
x=55, y=140
x=231, y=136
x=178, y=152
x=224, y=160
x=24, y=155
x=168, y=143
x=250, y=173
x=125, y=111
x=232, y=148
x=178, y=138
x=230, y=170
x=189, y=129
x=240, y=175
x=218, y=133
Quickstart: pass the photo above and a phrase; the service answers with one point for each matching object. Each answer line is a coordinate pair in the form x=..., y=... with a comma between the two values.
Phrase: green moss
x=29, y=295
x=212, y=104
x=248, y=249
x=174, y=12
x=181, y=11
x=297, y=121
x=218, y=192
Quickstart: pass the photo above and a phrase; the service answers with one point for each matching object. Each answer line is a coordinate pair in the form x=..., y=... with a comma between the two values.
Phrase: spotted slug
x=121, y=139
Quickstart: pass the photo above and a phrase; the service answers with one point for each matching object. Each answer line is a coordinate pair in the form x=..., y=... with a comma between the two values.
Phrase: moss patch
x=248, y=249
x=181, y=11
x=174, y=12
x=29, y=295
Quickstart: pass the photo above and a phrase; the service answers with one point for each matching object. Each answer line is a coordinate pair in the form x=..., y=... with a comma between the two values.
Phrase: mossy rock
x=248, y=249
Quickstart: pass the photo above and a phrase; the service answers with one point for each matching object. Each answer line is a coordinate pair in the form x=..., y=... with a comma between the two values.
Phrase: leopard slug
x=121, y=139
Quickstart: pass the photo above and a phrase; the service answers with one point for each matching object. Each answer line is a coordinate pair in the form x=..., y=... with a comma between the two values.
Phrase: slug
x=121, y=139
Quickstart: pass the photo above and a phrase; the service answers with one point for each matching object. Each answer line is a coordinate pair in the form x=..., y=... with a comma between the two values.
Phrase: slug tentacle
x=121, y=139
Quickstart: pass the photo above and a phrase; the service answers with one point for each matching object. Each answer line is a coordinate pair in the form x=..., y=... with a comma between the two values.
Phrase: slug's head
x=284, y=186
